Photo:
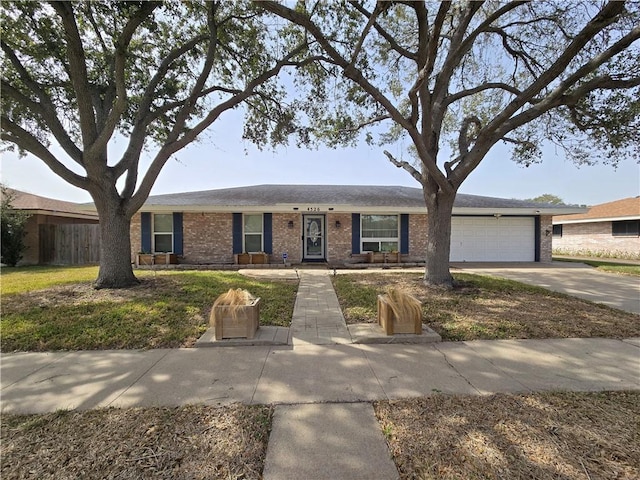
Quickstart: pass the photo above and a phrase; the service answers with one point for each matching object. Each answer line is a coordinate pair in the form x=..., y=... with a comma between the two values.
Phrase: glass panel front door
x=314, y=237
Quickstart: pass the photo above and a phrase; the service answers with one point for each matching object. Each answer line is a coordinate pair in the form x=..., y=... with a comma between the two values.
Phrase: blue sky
x=222, y=159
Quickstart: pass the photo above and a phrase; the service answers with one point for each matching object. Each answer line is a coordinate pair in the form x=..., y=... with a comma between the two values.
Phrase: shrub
x=13, y=224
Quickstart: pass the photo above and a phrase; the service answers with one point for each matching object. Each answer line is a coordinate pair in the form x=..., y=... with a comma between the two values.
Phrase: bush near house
x=12, y=230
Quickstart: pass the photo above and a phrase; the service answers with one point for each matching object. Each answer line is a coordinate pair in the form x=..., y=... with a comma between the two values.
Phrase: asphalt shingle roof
x=356, y=195
x=28, y=201
x=626, y=207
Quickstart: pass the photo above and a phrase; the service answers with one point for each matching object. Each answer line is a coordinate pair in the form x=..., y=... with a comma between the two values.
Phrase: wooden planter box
x=252, y=258
x=243, y=324
x=384, y=257
x=156, y=259
x=391, y=324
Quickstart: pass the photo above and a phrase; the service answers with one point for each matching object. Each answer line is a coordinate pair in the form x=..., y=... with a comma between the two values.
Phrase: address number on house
x=313, y=209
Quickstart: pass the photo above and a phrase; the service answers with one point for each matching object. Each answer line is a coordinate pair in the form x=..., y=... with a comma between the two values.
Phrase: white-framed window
x=379, y=233
x=163, y=233
x=252, y=232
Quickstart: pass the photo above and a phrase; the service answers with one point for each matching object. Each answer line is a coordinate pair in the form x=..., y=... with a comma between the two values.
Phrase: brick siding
x=287, y=240
x=595, y=238
x=546, y=227
x=339, y=238
x=207, y=238
x=417, y=238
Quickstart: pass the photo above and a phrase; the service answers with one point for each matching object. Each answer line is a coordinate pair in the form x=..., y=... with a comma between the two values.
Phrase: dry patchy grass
x=483, y=308
x=542, y=436
x=154, y=443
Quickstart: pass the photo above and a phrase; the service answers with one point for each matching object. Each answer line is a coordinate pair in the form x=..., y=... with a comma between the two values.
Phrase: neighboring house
x=58, y=232
x=336, y=224
x=607, y=230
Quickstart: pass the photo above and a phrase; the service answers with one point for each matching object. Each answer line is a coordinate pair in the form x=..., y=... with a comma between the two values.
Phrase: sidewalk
x=45, y=382
x=320, y=382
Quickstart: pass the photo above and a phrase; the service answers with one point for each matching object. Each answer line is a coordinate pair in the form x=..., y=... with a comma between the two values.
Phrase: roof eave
x=560, y=221
x=327, y=208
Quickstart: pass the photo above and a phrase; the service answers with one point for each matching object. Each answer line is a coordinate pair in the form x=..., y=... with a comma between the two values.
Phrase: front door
x=313, y=237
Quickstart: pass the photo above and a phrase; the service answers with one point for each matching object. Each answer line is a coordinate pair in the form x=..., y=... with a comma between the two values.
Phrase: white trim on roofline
x=55, y=213
x=324, y=209
x=596, y=220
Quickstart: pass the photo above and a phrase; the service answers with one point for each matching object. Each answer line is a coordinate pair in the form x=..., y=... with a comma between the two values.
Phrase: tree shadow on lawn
x=163, y=311
x=484, y=308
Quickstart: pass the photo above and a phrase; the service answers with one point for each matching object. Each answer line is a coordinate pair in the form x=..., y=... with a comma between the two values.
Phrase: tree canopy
x=75, y=74
x=547, y=198
x=456, y=78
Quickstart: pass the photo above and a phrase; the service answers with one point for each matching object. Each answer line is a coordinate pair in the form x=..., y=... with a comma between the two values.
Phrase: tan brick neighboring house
x=336, y=224
x=50, y=238
x=607, y=230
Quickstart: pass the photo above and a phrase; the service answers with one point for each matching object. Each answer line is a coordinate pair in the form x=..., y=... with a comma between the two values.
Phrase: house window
x=625, y=228
x=557, y=230
x=379, y=233
x=163, y=233
x=252, y=232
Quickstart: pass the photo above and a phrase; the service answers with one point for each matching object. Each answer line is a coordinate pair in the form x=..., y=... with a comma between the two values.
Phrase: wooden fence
x=70, y=244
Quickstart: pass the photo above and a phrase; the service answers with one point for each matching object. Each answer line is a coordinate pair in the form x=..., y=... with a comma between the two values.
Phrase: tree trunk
x=439, y=208
x=115, y=250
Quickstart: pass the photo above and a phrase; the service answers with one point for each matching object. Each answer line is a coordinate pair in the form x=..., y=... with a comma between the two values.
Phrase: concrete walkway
x=321, y=384
x=317, y=317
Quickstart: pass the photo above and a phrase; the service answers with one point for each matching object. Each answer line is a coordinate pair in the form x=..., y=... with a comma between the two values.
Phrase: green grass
x=25, y=279
x=168, y=309
x=608, y=266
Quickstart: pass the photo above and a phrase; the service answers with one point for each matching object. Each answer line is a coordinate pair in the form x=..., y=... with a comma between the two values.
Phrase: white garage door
x=491, y=239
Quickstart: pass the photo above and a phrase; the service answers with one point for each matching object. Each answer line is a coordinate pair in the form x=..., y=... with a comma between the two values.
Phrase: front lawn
x=168, y=309
x=486, y=308
x=551, y=435
x=141, y=443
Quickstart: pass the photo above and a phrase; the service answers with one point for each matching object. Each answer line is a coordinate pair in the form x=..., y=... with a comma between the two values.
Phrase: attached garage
x=493, y=239
x=339, y=225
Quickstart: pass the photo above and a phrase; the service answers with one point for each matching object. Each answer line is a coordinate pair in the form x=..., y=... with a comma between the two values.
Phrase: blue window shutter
x=355, y=233
x=537, y=239
x=404, y=233
x=267, y=230
x=237, y=233
x=177, y=233
x=145, y=227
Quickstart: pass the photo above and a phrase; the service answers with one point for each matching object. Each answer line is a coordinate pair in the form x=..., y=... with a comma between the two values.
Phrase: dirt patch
x=541, y=436
x=188, y=442
x=482, y=308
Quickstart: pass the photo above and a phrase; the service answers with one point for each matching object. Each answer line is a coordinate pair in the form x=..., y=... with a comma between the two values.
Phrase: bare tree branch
x=383, y=33
x=503, y=123
x=529, y=61
x=351, y=72
x=11, y=132
x=371, y=121
x=172, y=146
x=78, y=72
x=372, y=19
x=49, y=117
x=480, y=88
x=405, y=165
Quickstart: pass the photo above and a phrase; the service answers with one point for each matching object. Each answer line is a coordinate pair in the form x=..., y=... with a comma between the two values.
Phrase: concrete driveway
x=577, y=279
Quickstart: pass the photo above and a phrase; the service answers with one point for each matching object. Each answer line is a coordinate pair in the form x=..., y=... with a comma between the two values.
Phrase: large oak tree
x=456, y=78
x=77, y=74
